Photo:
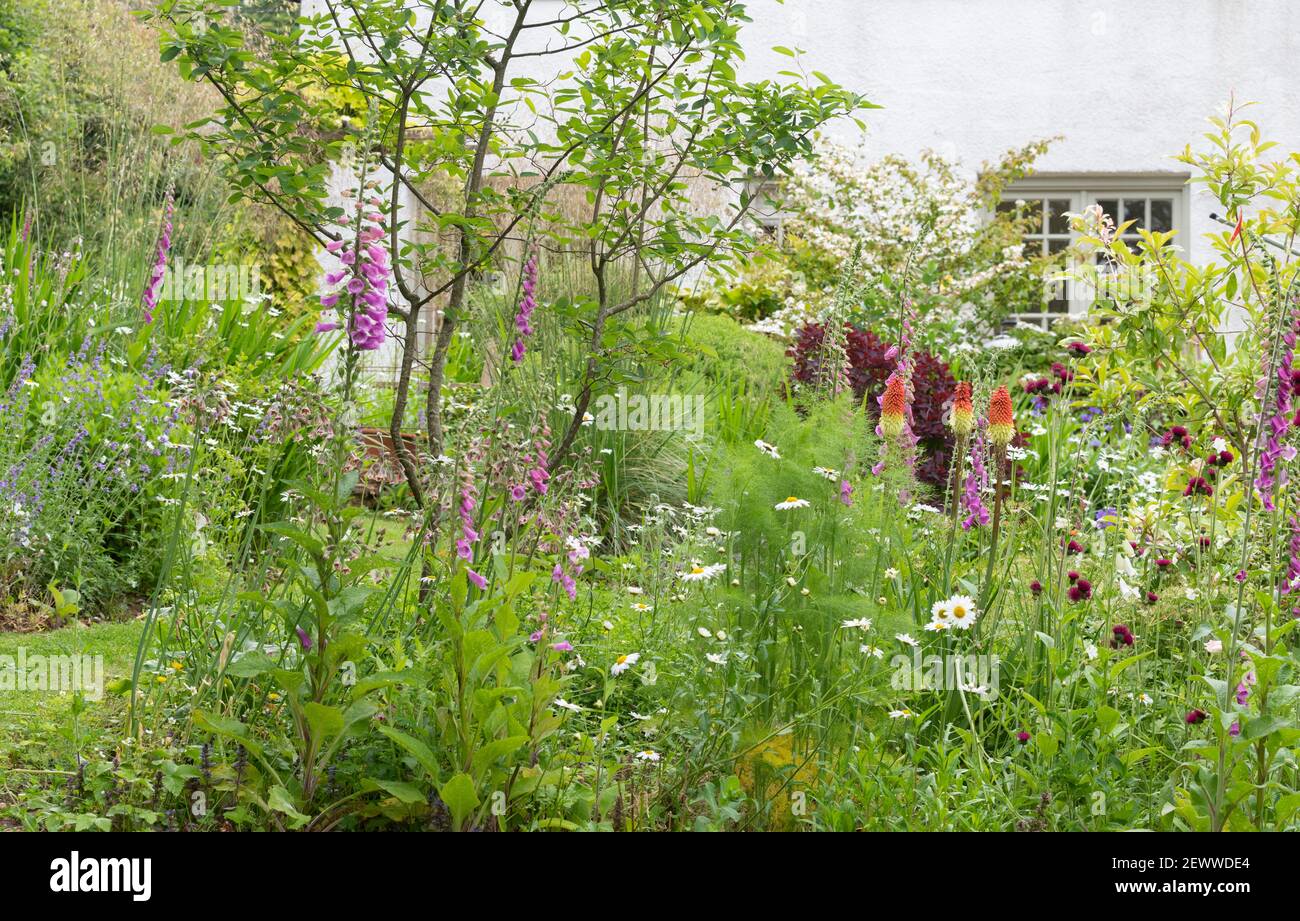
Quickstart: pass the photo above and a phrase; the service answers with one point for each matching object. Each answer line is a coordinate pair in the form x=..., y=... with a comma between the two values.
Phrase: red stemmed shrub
x=868, y=371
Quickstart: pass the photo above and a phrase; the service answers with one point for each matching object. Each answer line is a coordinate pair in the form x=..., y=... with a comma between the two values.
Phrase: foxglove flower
x=1270, y=477
x=526, y=307
x=362, y=283
x=150, y=299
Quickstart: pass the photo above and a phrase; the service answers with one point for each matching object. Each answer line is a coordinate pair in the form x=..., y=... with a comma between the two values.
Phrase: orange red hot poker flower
x=963, y=412
x=1002, y=422
x=892, y=407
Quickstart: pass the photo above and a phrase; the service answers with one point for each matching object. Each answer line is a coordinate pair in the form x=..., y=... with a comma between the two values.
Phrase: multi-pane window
x=1047, y=232
x=1152, y=203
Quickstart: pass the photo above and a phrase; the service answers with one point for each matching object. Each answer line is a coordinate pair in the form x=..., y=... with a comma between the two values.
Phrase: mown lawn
x=40, y=736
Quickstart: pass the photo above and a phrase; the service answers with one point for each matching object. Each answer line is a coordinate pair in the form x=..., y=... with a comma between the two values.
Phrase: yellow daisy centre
x=621, y=660
x=958, y=611
x=696, y=570
x=791, y=498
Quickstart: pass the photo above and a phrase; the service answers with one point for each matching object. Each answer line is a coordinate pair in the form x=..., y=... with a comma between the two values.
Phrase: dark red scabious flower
x=1072, y=576
x=1225, y=458
x=1078, y=348
x=1177, y=435
x=1164, y=563
x=1074, y=547
x=1137, y=551
x=1197, y=485
x=1038, y=385
x=1036, y=587
x=1152, y=597
x=1022, y=737
x=1195, y=716
x=1121, y=635
x=1203, y=542
x=1062, y=374
x=1080, y=590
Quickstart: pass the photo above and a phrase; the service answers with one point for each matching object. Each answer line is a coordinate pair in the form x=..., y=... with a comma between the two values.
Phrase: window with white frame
x=767, y=212
x=1156, y=202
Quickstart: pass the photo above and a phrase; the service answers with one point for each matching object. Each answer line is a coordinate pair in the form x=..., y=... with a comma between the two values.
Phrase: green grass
x=38, y=735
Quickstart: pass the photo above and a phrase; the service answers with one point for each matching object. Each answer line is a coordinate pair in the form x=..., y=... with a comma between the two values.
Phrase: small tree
x=648, y=109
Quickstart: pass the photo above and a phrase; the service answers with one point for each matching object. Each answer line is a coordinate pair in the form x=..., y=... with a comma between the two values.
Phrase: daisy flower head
x=858, y=623
x=792, y=502
x=961, y=611
x=624, y=662
x=826, y=473
x=702, y=573
x=905, y=638
x=770, y=450
x=647, y=755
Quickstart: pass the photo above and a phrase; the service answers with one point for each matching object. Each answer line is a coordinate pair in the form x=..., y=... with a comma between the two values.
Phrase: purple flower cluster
x=526, y=307
x=577, y=553
x=150, y=299
x=363, y=280
x=468, y=535
x=1278, y=424
x=1291, y=581
x=976, y=481
x=82, y=468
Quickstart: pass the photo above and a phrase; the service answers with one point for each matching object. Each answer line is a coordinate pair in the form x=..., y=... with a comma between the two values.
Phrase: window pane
x=1033, y=248
x=1162, y=214
x=1060, y=302
x=1033, y=214
x=1135, y=209
x=1110, y=206
x=1057, y=222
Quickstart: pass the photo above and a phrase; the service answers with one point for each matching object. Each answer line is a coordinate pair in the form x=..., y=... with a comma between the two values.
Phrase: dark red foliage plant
x=869, y=369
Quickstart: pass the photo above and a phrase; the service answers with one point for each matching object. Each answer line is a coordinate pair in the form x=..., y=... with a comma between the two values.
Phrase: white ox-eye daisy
x=624, y=662
x=791, y=502
x=702, y=573
x=961, y=612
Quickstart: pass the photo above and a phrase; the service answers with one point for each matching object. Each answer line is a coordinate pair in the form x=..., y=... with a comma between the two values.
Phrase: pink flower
x=526, y=306
x=475, y=578
x=150, y=298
